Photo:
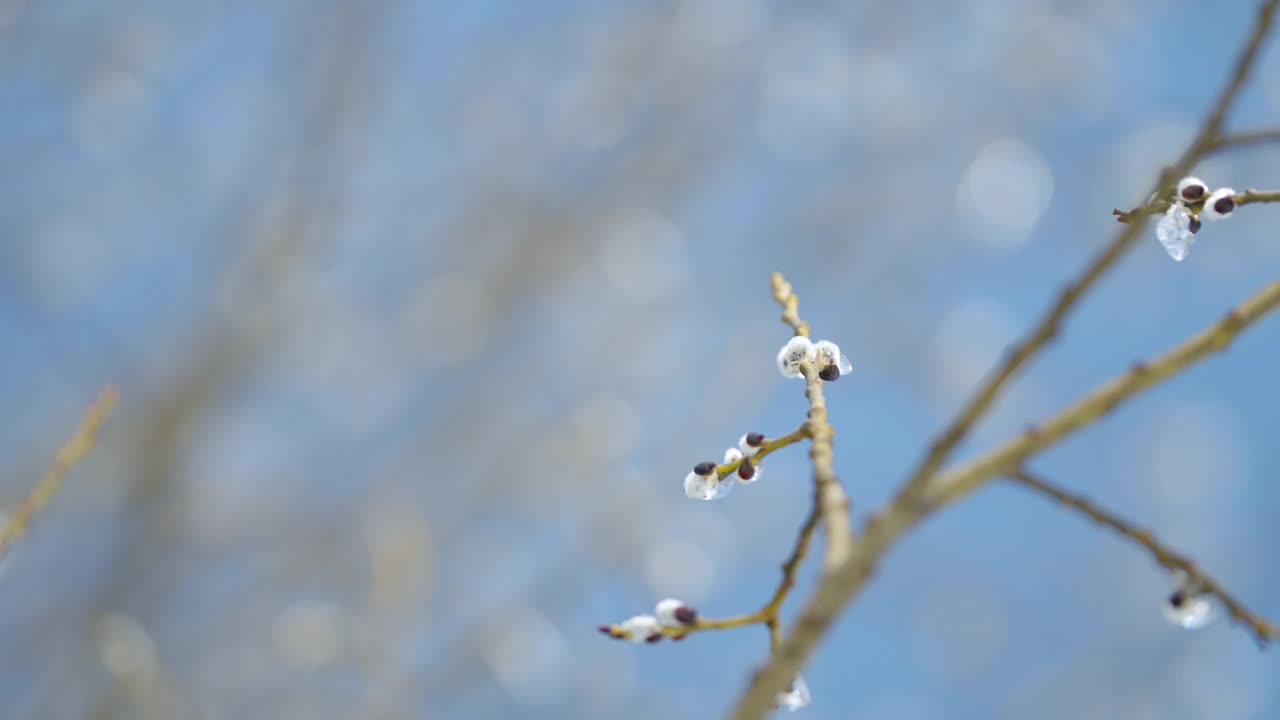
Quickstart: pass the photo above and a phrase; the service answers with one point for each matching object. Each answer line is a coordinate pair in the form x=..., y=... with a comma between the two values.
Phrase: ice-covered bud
x=747, y=472
x=751, y=443
x=696, y=486
x=673, y=613
x=732, y=455
x=829, y=355
x=705, y=484
x=1188, y=607
x=642, y=628
x=797, y=350
x=1191, y=189
x=1220, y=204
x=1174, y=231
x=796, y=697
x=707, y=487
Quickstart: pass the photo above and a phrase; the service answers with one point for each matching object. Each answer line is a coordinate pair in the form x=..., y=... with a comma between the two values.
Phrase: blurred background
x=421, y=311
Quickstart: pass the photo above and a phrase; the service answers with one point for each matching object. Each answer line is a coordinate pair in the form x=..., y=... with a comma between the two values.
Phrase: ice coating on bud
x=797, y=350
x=1191, y=189
x=707, y=487
x=696, y=486
x=1220, y=204
x=641, y=628
x=673, y=613
x=1188, y=609
x=1174, y=231
x=828, y=353
x=796, y=697
x=750, y=444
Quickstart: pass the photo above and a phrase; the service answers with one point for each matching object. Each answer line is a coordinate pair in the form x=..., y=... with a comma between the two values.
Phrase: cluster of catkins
x=1192, y=200
x=705, y=481
x=673, y=618
x=670, y=617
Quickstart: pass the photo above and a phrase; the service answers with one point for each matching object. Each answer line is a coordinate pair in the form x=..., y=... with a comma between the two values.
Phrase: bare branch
x=1262, y=629
x=839, y=585
x=1049, y=325
x=1231, y=141
x=71, y=452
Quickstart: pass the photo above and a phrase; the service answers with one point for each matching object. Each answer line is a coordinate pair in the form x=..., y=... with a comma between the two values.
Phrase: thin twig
x=1155, y=207
x=828, y=495
x=769, y=612
x=1243, y=139
x=1262, y=629
x=770, y=446
x=71, y=452
x=1251, y=196
x=790, y=304
x=830, y=504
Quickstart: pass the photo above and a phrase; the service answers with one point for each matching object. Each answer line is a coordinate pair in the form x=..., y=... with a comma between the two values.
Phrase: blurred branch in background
x=74, y=450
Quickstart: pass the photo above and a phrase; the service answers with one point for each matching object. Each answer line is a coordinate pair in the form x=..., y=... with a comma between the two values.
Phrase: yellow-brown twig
x=770, y=445
x=71, y=452
x=1262, y=629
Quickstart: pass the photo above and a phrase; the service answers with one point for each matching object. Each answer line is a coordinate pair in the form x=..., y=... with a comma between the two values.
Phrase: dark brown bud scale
x=1195, y=225
x=653, y=638
x=686, y=615
x=755, y=439
x=830, y=373
x=1224, y=205
x=1193, y=192
x=746, y=470
x=704, y=468
x=1177, y=599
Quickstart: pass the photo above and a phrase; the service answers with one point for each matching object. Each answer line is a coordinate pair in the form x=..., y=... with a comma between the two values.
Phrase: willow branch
x=67, y=457
x=839, y=586
x=1049, y=325
x=1262, y=629
x=1243, y=139
x=770, y=446
x=790, y=304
